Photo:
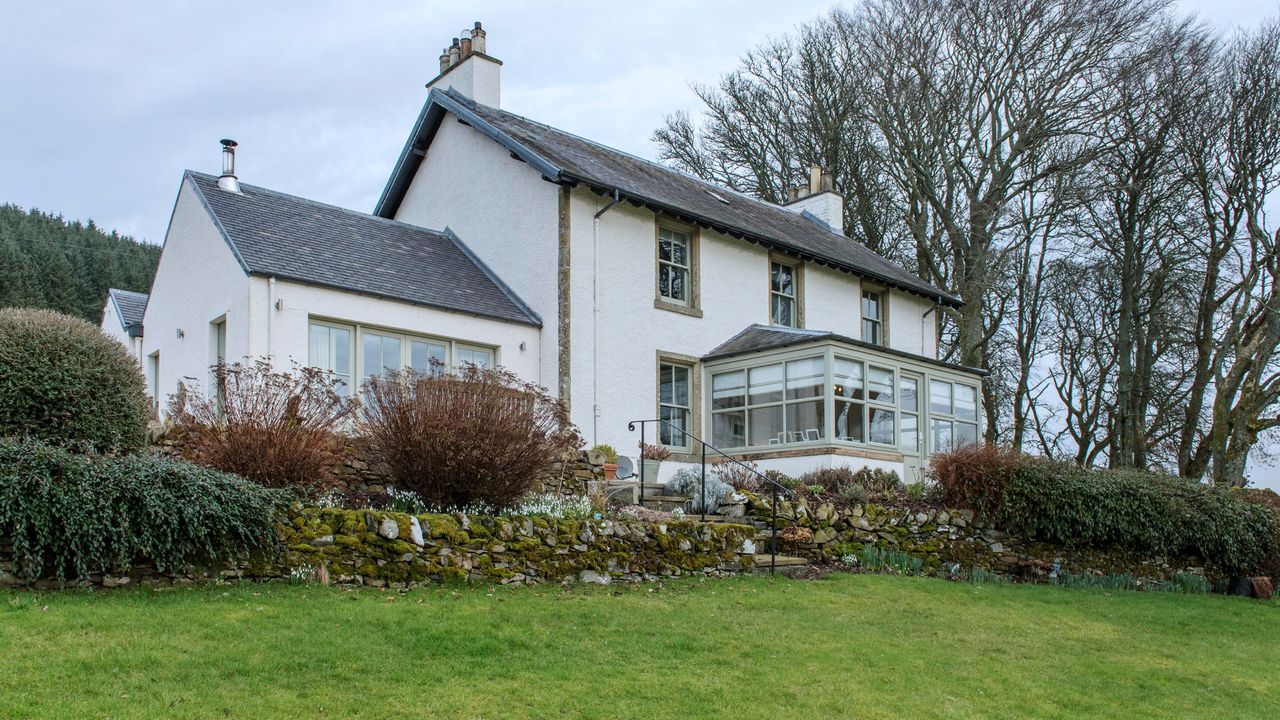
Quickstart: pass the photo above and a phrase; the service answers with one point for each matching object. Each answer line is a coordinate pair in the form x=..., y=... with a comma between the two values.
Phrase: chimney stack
x=466, y=67
x=227, y=181
x=819, y=199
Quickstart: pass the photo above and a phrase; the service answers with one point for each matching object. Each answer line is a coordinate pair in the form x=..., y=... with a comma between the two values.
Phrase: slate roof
x=566, y=158
x=278, y=235
x=130, y=306
x=759, y=338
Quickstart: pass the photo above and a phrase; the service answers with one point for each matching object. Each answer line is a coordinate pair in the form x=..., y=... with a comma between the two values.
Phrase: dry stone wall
x=948, y=541
x=387, y=549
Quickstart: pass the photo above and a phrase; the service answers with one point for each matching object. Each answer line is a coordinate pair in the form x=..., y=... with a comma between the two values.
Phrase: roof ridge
x=331, y=206
x=455, y=95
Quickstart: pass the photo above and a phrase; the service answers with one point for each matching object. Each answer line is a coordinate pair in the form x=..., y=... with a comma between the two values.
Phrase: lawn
x=844, y=646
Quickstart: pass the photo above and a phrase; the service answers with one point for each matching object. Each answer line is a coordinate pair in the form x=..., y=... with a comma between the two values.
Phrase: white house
x=122, y=318
x=632, y=291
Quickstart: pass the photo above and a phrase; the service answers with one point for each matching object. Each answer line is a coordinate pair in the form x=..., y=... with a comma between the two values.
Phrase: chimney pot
x=455, y=53
x=815, y=179
x=227, y=181
x=444, y=61
x=478, y=39
x=464, y=50
x=828, y=183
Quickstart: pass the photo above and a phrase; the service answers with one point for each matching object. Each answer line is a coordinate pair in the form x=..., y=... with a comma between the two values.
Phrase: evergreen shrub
x=65, y=382
x=69, y=515
x=1141, y=512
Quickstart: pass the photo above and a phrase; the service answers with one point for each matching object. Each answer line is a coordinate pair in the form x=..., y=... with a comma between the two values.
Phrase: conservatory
x=780, y=394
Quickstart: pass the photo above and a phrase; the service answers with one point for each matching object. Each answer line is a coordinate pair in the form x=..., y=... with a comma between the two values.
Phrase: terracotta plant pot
x=610, y=471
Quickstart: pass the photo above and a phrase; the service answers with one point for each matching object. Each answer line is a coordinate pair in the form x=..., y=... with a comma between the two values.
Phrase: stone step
x=763, y=560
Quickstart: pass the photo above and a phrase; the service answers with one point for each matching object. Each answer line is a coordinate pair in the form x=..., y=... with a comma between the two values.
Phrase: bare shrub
x=475, y=436
x=849, y=486
x=741, y=476
x=974, y=476
x=279, y=429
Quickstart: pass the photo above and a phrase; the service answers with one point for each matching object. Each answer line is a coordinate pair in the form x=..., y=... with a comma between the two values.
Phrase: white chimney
x=466, y=68
x=820, y=200
x=227, y=181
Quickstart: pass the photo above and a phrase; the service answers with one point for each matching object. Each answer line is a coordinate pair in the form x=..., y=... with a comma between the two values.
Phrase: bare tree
x=1232, y=154
x=1133, y=221
x=786, y=109
x=1089, y=176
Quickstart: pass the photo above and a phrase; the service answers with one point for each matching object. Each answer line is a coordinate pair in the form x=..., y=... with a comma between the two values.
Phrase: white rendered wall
x=791, y=466
x=910, y=330
x=733, y=286
x=198, y=281
x=832, y=300
x=503, y=210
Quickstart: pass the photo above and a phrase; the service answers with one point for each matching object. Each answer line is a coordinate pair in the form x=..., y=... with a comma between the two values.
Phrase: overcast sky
x=103, y=105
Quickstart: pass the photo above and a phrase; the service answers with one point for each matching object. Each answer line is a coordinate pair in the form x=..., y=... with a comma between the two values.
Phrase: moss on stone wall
x=951, y=540
x=378, y=547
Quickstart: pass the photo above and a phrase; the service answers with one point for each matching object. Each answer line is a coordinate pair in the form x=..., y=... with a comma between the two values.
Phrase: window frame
x=691, y=305
x=797, y=289
x=693, y=415
x=880, y=322
x=358, y=332
x=784, y=402
x=952, y=418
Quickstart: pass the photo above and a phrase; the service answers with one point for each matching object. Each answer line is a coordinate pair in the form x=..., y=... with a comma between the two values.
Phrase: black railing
x=774, y=488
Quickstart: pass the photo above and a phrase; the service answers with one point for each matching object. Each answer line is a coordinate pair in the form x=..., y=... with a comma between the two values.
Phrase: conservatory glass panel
x=765, y=385
x=805, y=378
x=847, y=378
x=766, y=425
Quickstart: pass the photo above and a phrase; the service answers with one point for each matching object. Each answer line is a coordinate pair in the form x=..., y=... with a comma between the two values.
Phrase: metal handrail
x=774, y=486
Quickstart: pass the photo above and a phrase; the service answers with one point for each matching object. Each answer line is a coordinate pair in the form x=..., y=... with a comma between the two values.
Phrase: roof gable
x=130, y=306
x=566, y=158
x=292, y=238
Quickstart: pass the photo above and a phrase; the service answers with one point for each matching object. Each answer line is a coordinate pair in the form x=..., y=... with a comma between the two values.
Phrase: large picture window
x=352, y=351
x=331, y=351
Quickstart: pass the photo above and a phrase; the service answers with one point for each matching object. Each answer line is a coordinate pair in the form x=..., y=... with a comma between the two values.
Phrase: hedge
x=67, y=515
x=1141, y=512
x=63, y=381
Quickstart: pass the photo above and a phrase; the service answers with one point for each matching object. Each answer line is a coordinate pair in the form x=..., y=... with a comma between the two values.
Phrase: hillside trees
x=47, y=262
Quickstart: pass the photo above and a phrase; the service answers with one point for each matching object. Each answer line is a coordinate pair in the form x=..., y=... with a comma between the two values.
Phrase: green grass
x=845, y=646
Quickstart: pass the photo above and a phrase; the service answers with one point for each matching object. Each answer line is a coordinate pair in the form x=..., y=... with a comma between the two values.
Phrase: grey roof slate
x=130, y=306
x=292, y=238
x=564, y=157
x=759, y=338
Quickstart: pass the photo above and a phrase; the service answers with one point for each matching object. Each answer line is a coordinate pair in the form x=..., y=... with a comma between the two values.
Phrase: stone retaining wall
x=949, y=541
x=386, y=549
